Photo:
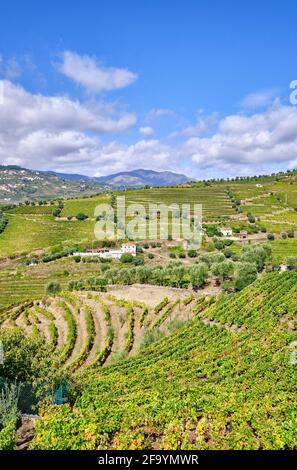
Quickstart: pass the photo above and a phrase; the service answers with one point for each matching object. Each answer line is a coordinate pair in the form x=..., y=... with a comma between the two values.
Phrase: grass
x=85, y=205
x=28, y=232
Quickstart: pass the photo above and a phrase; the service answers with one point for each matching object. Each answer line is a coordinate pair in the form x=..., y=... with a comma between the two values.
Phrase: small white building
x=129, y=248
x=283, y=267
x=259, y=185
x=226, y=231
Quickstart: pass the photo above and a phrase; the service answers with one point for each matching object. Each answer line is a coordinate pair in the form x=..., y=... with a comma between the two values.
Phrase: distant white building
x=126, y=248
x=283, y=267
x=226, y=231
x=259, y=185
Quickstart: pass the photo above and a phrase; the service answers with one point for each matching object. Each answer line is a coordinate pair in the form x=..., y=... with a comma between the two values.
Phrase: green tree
x=53, y=288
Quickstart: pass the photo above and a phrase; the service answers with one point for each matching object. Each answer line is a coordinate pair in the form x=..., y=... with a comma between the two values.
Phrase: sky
x=192, y=86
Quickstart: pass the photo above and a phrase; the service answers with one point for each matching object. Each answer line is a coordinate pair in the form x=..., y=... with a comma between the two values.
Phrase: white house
x=259, y=185
x=283, y=267
x=226, y=231
x=129, y=248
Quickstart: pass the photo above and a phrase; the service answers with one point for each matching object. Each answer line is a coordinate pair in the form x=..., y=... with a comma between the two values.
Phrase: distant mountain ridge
x=19, y=184
x=131, y=179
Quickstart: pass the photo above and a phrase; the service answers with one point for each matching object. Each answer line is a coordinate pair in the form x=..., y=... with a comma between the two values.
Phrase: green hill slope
x=223, y=381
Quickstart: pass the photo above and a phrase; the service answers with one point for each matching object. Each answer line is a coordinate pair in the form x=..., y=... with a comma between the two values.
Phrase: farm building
x=226, y=231
x=243, y=234
x=129, y=248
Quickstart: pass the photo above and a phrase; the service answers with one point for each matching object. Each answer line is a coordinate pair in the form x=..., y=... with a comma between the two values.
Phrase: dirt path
x=60, y=323
x=118, y=320
x=100, y=329
x=42, y=324
x=81, y=332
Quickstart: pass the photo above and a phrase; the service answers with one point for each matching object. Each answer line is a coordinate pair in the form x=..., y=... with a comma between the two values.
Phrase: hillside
x=223, y=381
x=19, y=184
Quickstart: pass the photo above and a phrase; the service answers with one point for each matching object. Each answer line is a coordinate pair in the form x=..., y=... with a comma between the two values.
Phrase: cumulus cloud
x=249, y=141
x=86, y=71
x=146, y=131
x=22, y=112
x=55, y=132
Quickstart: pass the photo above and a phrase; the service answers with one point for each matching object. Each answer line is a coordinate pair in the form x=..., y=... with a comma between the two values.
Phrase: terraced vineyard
x=214, y=200
x=223, y=381
x=92, y=329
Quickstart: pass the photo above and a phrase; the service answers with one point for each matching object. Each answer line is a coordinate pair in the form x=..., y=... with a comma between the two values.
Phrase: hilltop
x=19, y=184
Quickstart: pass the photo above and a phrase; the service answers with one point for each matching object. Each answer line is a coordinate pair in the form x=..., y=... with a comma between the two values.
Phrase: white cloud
x=55, y=132
x=249, y=142
x=146, y=131
x=259, y=99
x=86, y=71
x=22, y=112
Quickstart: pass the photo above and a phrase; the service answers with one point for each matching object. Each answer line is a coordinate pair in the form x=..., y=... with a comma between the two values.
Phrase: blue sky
x=195, y=86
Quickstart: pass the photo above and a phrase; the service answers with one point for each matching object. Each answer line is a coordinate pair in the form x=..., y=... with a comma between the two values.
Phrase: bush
x=81, y=216
x=270, y=236
x=172, y=255
x=150, y=337
x=219, y=245
x=126, y=258
x=77, y=258
x=192, y=254
x=245, y=274
x=138, y=260
x=53, y=288
x=56, y=212
x=228, y=253
x=290, y=233
x=151, y=256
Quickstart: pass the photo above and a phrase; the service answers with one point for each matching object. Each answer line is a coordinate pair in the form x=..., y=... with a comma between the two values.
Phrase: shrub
x=150, y=337
x=53, y=288
x=290, y=233
x=192, y=254
x=219, y=245
x=151, y=256
x=56, y=212
x=126, y=258
x=81, y=216
x=138, y=260
x=270, y=236
x=228, y=253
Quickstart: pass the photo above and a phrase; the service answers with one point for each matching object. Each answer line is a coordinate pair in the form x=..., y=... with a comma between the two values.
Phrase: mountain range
x=18, y=184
